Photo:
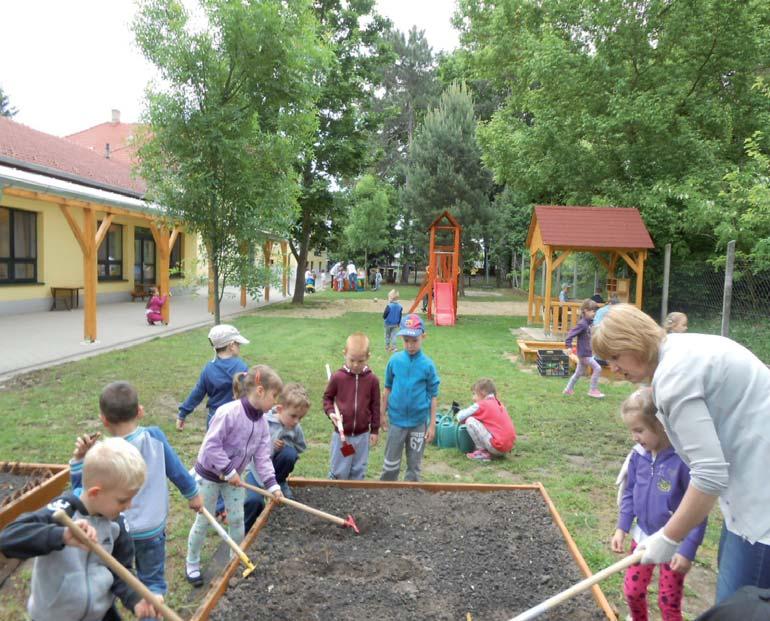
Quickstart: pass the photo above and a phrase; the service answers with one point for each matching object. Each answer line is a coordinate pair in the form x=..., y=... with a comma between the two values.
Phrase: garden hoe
x=347, y=449
x=578, y=588
x=349, y=522
x=229, y=541
x=114, y=566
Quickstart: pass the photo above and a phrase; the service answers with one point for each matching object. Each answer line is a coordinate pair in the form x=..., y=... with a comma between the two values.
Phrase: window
x=110, y=255
x=175, y=260
x=18, y=246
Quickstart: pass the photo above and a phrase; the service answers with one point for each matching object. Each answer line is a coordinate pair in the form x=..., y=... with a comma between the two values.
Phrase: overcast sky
x=65, y=64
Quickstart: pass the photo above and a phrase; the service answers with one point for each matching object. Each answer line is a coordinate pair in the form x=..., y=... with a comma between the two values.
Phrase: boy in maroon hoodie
x=356, y=391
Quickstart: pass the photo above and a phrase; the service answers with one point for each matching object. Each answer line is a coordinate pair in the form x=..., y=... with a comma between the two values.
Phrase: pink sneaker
x=479, y=455
x=596, y=394
x=569, y=391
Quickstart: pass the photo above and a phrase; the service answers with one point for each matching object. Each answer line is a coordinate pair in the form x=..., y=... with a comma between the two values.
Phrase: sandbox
x=426, y=551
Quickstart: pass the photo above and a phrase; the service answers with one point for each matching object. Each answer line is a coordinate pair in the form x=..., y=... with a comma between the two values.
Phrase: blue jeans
x=283, y=464
x=741, y=564
x=150, y=557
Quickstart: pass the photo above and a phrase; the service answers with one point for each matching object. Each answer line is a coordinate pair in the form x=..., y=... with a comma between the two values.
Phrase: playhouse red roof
x=590, y=227
x=20, y=145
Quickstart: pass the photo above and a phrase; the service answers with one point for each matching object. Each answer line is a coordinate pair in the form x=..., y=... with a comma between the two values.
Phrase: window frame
x=108, y=262
x=11, y=260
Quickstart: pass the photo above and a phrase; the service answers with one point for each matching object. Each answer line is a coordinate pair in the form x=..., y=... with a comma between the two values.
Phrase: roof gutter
x=65, y=176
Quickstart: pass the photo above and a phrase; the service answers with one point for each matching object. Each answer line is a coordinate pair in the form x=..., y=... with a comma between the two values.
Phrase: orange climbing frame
x=443, y=269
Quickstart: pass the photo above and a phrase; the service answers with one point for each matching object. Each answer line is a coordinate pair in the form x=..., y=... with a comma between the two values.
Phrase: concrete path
x=36, y=340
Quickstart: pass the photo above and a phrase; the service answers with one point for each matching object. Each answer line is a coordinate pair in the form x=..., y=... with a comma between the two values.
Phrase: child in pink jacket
x=154, y=306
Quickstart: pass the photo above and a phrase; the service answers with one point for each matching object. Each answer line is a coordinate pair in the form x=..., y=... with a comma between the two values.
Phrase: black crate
x=552, y=362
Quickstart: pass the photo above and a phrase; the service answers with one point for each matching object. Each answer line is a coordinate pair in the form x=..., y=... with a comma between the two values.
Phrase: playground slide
x=443, y=297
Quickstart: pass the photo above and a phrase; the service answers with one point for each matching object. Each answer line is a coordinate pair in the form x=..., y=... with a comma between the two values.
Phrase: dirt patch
x=14, y=483
x=441, y=469
x=438, y=555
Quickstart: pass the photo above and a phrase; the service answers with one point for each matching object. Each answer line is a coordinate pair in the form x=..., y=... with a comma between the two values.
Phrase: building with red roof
x=113, y=140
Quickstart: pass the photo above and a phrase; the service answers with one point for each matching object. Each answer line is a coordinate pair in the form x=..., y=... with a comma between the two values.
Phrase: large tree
x=367, y=229
x=228, y=120
x=342, y=145
x=5, y=106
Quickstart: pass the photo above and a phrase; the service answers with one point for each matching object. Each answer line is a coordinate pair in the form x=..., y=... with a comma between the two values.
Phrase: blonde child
x=120, y=414
x=68, y=582
x=675, y=322
x=238, y=434
x=585, y=356
x=656, y=481
x=356, y=391
x=409, y=400
x=488, y=423
x=392, y=317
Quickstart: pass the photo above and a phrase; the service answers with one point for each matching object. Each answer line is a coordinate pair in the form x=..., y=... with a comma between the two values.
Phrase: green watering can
x=464, y=442
x=446, y=432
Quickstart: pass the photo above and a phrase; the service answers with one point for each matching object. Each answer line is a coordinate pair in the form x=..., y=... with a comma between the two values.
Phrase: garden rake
x=229, y=541
x=347, y=449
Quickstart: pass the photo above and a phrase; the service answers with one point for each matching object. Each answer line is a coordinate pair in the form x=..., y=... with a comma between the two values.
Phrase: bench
x=141, y=291
x=70, y=296
x=528, y=352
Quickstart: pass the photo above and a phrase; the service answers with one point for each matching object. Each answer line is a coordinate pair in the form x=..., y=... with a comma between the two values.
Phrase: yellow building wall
x=60, y=259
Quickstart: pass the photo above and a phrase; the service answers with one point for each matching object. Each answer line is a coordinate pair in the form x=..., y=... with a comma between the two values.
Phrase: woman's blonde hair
x=641, y=405
x=673, y=321
x=258, y=375
x=114, y=464
x=627, y=330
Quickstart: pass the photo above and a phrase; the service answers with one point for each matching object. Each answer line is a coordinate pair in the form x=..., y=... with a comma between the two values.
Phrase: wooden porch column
x=164, y=242
x=89, y=240
x=268, y=250
x=285, y=267
x=547, y=293
x=640, y=278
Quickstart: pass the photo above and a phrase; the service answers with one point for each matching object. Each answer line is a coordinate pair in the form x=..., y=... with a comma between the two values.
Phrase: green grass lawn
x=573, y=445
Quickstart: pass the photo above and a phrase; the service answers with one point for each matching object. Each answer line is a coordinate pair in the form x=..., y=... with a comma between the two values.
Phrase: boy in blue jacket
x=409, y=399
x=392, y=318
x=120, y=413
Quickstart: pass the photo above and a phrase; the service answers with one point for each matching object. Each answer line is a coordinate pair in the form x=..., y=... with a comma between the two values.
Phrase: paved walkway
x=36, y=340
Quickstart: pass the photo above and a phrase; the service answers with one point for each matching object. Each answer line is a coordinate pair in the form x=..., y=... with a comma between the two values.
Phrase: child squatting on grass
x=585, y=356
x=409, y=400
x=655, y=482
x=288, y=441
x=488, y=423
x=121, y=413
x=356, y=391
x=69, y=583
x=238, y=434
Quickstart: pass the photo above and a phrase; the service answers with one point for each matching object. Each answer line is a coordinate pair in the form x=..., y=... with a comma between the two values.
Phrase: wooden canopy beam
x=561, y=259
x=634, y=265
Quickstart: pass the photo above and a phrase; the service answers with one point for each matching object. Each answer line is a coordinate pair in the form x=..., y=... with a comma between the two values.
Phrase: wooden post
x=547, y=294
x=640, y=257
x=727, y=299
x=666, y=276
x=285, y=268
x=164, y=241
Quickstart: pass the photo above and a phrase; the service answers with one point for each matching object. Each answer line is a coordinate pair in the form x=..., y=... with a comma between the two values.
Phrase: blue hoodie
x=392, y=314
x=216, y=382
x=653, y=492
x=413, y=382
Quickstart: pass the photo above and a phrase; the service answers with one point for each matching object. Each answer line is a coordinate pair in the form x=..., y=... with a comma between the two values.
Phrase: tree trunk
x=304, y=244
x=215, y=270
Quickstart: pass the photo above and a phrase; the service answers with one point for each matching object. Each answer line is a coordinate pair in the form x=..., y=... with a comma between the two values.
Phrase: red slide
x=443, y=298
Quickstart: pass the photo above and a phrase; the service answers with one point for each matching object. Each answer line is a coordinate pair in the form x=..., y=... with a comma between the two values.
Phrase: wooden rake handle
x=297, y=505
x=578, y=588
x=114, y=566
x=229, y=541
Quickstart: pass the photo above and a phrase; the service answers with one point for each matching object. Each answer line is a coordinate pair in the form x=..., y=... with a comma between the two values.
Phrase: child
x=238, y=434
x=356, y=390
x=154, y=306
x=488, y=423
x=409, y=400
x=341, y=275
x=120, y=413
x=656, y=482
x=675, y=322
x=564, y=293
x=216, y=378
x=288, y=441
x=69, y=583
x=585, y=358
x=377, y=279
x=392, y=317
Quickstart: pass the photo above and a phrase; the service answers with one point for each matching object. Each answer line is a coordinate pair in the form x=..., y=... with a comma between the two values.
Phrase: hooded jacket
x=69, y=583
x=216, y=382
x=358, y=399
x=583, y=333
x=653, y=492
x=413, y=382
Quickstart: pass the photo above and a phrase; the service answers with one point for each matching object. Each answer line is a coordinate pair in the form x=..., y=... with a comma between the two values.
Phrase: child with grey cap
x=216, y=378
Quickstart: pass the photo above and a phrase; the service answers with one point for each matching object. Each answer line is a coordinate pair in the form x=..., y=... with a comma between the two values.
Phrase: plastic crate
x=552, y=363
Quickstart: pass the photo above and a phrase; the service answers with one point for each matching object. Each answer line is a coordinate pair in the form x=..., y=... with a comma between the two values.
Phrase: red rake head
x=351, y=523
x=347, y=449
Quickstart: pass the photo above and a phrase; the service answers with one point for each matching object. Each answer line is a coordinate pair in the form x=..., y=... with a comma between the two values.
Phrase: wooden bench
x=70, y=296
x=528, y=352
x=141, y=291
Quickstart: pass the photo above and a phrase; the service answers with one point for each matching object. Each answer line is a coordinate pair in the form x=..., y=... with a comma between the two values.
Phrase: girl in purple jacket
x=238, y=434
x=585, y=356
x=656, y=481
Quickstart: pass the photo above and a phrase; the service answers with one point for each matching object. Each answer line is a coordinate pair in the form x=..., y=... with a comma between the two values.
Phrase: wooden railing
x=563, y=317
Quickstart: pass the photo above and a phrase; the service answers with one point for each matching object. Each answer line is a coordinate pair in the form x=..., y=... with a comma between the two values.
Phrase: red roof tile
x=118, y=135
x=591, y=227
x=28, y=145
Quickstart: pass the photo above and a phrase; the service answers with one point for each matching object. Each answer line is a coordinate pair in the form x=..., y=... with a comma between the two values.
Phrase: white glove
x=622, y=479
x=658, y=549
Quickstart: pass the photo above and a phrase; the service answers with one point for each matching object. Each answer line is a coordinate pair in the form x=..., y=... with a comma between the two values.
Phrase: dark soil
x=10, y=484
x=420, y=555
x=14, y=483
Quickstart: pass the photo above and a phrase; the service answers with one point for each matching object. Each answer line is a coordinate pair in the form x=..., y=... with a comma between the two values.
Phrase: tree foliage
x=367, y=229
x=5, y=106
x=231, y=114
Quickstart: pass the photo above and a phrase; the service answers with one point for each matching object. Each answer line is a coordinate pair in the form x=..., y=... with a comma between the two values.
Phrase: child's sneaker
x=286, y=490
x=479, y=455
x=595, y=394
x=569, y=392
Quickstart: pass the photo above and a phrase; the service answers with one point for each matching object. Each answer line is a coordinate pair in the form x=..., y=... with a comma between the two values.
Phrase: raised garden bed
x=28, y=487
x=426, y=551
